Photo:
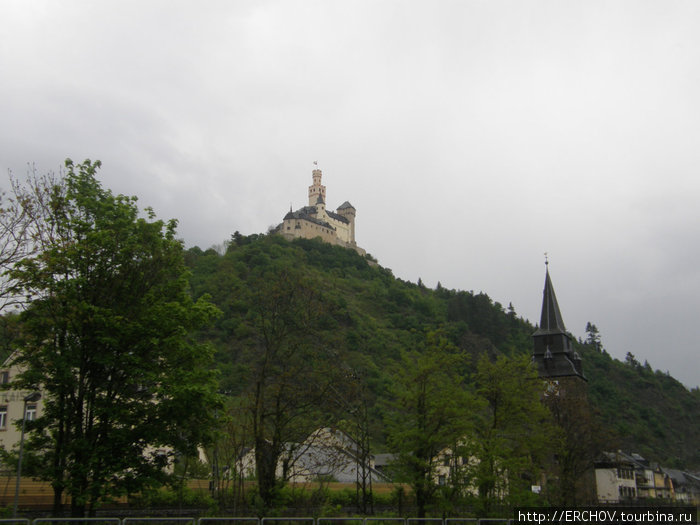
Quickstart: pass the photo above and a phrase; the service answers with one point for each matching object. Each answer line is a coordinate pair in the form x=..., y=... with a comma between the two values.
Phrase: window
x=4, y=377
x=30, y=414
x=624, y=473
x=626, y=492
x=3, y=418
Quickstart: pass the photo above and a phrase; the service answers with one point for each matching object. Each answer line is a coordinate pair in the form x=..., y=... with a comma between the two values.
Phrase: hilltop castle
x=315, y=220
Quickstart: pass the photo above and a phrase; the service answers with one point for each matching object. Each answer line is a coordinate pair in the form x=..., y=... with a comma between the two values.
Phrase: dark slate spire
x=553, y=353
x=550, y=320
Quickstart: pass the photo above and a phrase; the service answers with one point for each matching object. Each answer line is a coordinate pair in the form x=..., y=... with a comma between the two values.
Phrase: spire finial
x=546, y=259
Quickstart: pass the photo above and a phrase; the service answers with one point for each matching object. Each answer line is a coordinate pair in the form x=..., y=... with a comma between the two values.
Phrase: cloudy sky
x=472, y=136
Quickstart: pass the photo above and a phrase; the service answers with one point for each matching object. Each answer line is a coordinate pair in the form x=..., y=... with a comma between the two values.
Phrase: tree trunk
x=266, y=463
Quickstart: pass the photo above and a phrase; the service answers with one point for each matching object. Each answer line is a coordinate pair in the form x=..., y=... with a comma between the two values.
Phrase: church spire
x=553, y=350
x=550, y=320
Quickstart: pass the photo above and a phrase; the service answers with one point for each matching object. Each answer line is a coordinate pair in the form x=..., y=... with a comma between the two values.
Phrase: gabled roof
x=346, y=204
x=307, y=214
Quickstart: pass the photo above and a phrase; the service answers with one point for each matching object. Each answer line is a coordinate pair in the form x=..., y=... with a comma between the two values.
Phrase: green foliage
x=428, y=410
x=648, y=411
x=106, y=339
x=514, y=431
x=169, y=497
x=374, y=317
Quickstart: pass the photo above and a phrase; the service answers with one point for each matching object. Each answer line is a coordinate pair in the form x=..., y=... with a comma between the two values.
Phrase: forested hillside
x=355, y=318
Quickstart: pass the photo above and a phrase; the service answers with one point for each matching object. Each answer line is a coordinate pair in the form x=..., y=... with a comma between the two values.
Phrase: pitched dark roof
x=346, y=204
x=306, y=214
x=553, y=352
x=337, y=217
x=551, y=321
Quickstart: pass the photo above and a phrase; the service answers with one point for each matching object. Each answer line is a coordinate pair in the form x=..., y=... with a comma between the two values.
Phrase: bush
x=167, y=497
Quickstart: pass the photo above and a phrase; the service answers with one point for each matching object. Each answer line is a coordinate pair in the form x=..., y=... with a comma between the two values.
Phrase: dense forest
x=367, y=317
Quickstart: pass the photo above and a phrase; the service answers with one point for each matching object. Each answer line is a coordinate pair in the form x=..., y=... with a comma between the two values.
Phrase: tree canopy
x=108, y=340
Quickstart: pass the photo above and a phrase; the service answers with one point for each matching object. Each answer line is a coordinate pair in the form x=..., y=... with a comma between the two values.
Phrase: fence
x=255, y=521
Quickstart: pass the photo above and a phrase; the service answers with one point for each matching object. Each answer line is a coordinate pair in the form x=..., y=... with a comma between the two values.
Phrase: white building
x=12, y=406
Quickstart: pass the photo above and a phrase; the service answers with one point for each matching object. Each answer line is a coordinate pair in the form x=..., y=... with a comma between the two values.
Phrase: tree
x=513, y=432
x=593, y=337
x=583, y=440
x=428, y=412
x=631, y=360
x=25, y=226
x=108, y=342
x=288, y=369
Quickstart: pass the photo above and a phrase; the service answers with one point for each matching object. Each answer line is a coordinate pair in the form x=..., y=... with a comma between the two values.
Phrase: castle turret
x=553, y=352
x=320, y=208
x=348, y=211
x=317, y=189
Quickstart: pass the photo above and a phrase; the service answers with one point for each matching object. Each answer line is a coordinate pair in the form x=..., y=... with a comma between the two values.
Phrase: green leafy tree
x=108, y=343
x=513, y=433
x=428, y=412
x=288, y=368
x=593, y=336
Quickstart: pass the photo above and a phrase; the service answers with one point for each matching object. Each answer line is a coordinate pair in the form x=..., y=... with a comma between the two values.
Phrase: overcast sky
x=472, y=136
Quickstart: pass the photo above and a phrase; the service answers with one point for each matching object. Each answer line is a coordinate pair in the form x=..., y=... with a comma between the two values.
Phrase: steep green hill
x=369, y=316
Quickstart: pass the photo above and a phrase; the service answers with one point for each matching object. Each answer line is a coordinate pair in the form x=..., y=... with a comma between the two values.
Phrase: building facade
x=13, y=406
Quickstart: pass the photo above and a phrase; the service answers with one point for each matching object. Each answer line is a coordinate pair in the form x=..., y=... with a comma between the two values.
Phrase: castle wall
x=342, y=230
x=310, y=230
x=292, y=228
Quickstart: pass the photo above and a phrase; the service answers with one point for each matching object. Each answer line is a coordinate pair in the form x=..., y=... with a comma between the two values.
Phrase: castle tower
x=317, y=189
x=348, y=211
x=320, y=207
x=553, y=352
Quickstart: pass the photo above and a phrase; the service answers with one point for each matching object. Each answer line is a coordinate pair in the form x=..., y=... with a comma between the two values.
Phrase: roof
x=307, y=214
x=551, y=321
x=328, y=452
x=613, y=460
x=553, y=352
x=558, y=364
x=337, y=217
x=345, y=205
x=381, y=460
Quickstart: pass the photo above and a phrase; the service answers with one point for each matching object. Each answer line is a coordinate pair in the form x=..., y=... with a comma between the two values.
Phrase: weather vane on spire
x=316, y=163
x=546, y=259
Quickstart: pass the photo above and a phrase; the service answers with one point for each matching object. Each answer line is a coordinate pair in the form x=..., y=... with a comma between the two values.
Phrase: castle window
x=4, y=377
x=3, y=418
